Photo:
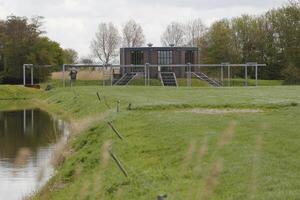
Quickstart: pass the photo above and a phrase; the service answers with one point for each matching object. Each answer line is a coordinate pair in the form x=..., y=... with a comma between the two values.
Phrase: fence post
x=118, y=106
x=162, y=197
x=118, y=162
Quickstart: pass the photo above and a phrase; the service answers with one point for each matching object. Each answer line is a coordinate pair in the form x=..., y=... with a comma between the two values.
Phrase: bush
x=291, y=74
x=1, y=77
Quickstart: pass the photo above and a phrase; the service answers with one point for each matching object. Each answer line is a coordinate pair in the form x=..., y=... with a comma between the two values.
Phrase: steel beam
x=24, y=74
x=31, y=73
x=246, y=75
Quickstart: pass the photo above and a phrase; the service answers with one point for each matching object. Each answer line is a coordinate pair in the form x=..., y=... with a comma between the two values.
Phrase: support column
x=63, y=76
x=246, y=75
x=104, y=75
x=24, y=121
x=111, y=75
x=148, y=83
x=32, y=122
x=222, y=74
x=228, y=75
x=256, y=75
x=189, y=75
x=31, y=73
x=24, y=74
x=145, y=74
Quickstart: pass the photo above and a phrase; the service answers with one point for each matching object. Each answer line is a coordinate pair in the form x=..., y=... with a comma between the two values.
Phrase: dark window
x=137, y=57
x=189, y=57
x=165, y=57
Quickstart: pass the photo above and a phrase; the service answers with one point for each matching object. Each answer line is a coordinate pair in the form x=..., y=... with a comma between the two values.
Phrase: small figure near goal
x=73, y=75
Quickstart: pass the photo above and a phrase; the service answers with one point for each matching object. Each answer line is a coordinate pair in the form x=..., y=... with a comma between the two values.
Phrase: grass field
x=188, y=143
x=182, y=82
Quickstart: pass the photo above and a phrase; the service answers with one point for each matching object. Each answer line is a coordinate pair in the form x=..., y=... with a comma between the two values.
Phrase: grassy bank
x=180, y=142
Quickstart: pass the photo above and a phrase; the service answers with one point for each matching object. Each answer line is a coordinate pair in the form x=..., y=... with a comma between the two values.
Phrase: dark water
x=27, y=141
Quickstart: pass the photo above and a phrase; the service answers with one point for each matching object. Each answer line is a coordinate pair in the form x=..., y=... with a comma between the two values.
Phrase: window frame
x=165, y=57
x=137, y=57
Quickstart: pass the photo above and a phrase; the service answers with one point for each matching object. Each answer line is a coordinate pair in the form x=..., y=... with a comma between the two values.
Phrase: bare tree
x=133, y=35
x=106, y=42
x=194, y=31
x=173, y=35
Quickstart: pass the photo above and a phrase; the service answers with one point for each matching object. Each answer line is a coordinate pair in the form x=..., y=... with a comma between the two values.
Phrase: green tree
x=217, y=43
x=70, y=56
x=45, y=52
x=272, y=38
x=21, y=42
x=18, y=36
x=284, y=25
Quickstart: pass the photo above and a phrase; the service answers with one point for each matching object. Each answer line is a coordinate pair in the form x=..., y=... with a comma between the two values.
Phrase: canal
x=27, y=141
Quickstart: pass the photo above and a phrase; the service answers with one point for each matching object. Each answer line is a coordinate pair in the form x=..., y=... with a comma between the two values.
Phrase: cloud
x=212, y=4
x=73, y=23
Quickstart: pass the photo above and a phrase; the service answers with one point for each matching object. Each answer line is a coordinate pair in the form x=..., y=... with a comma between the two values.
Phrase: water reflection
x=27, y=139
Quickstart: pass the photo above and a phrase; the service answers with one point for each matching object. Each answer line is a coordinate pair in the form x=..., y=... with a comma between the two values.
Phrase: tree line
x=22, y=40
x=272, y=38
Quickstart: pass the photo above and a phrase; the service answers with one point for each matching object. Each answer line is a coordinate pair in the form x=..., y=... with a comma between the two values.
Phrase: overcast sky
x=73, y=23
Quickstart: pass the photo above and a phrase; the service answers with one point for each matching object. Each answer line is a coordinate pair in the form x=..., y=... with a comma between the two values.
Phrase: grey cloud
x=73, y=22
x=212, y=4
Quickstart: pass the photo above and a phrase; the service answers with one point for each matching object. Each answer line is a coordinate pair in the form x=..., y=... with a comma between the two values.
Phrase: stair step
x=168, y=79
x=204, y=77
x=125, y=79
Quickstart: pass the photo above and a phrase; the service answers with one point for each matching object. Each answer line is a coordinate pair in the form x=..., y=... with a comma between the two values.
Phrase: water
x=27, y=140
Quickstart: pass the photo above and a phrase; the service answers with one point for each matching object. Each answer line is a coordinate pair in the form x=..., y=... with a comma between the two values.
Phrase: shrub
x=291, y=74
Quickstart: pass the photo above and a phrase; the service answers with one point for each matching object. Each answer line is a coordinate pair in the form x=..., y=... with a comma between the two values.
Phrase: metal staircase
x=168, y=79
x=126, y=78
x=204, y=77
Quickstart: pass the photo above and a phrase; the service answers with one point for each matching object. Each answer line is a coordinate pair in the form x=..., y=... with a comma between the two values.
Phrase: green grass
x=182, y=82
x=168, y=149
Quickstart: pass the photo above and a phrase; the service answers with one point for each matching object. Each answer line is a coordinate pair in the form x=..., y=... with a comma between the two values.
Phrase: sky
x=73, y=23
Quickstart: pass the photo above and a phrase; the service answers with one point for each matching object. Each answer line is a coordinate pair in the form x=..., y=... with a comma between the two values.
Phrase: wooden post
x=118, y=162
x=129, y=106
x=162, y=197
x=99, y=98
x=115, y=130
x=118, y=106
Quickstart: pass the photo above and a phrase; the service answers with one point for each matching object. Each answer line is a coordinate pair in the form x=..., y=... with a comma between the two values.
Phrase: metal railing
x=146, y=70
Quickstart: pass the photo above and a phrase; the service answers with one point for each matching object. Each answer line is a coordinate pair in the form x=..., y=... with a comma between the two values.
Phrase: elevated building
x=159, y=56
